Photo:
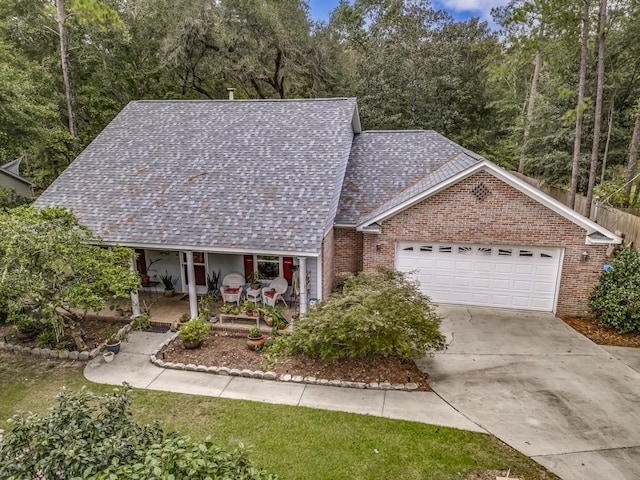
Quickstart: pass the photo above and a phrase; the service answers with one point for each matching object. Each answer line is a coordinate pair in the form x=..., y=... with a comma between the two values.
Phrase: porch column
x=135, y=301
x=302, y=279
x=191, y=280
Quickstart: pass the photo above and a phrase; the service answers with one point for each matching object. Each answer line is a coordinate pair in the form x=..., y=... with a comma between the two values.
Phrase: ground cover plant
x=375, y=314
x=292, y=442
x=616, y=299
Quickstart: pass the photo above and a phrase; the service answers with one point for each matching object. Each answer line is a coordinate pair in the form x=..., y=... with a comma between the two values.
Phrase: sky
x=459, y=9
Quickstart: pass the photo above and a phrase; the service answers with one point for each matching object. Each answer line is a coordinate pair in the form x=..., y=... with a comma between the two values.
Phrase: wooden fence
x=616, y=220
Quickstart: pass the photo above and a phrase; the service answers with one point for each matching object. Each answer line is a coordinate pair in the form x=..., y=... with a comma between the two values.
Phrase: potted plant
x=185, y=317
x=26, y=327
x=255, y=339
x=112, y=344
x=267, y=315
x=279, y=322
x=169, y=283
x=108, y=356
x=249, y=308
x=254, y=279
x=194, y=332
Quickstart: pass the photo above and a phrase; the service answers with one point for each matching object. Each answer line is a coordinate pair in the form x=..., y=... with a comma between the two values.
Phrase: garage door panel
x=509, y=277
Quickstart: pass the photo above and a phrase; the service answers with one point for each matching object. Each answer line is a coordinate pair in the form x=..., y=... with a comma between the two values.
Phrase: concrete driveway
x=544, y=389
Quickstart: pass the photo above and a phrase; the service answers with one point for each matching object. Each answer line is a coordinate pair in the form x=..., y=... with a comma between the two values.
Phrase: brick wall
x=328, y=261
x=348, y=251
x=505, y=217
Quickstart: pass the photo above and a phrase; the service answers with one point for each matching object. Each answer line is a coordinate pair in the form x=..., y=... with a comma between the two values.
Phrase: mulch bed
x=602, y=335
x=222, y=349
x=96, y=330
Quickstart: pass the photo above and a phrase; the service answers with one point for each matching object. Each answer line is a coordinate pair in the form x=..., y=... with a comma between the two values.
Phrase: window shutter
x=287, y=263
x=248, y=265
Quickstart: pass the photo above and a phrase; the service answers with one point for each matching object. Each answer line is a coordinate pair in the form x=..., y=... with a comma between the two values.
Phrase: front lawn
x=293, y=442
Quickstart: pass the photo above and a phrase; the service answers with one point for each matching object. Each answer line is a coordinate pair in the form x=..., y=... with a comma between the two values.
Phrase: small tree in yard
x=51, y=267
x=377, y=314
x=95, y=437
x=616, y=299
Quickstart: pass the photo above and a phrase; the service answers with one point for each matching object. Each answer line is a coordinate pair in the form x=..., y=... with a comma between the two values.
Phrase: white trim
x=345, y=225
x=356, y=125
x=280, y=263
x=319, y=277
x=560, y=265
x=200, y=289
x=193, y=298
x=516, y=183
x=238, y=251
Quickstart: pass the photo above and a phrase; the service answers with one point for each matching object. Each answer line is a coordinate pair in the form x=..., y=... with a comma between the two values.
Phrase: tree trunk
x=66, y=70
x=597, y=125
x=530, y=109
x=575, y=165
x=633, y=157
x=606, y=146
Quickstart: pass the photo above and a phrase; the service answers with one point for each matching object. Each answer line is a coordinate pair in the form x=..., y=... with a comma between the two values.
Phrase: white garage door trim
x=503, y=276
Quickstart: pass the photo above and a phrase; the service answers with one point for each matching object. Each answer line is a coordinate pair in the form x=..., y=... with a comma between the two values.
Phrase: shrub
x=616, y=299
x=94, y=436
x=378, y=313
x=195, y=330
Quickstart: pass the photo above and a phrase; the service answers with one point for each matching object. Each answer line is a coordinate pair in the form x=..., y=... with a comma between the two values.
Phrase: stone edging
x=269, y=375
x=62, y=354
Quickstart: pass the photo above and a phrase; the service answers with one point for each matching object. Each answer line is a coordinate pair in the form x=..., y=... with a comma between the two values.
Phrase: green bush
x=195, y=330
x=92, y=436
x=379, y=313
x=616, y=299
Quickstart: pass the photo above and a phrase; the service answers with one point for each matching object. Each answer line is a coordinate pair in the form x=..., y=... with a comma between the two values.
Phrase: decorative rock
x=212, y=369
x=348, y=384
x=334, y=383
x=323, y=381
x=310, y=380
x=63, y=354
x=384, y=386
x=94, y=353
x=73, y=355
x=359, y=385
x=234, y=372
x=170, y=365
x=285, y=378
x=398, y=386
x=83, y=356
x=191, y=367
x=246, y=373
x=201, y=368
x=223, y=371
x=257, y=374
x=35, y=351
x=269, y=375
x=297, y=378
x=179, y=366
x=153, y=358
x=161, y=363
x=45, y=352
x=411, y=386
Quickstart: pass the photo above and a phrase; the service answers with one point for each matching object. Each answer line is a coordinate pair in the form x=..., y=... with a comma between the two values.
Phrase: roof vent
x=231, y=90
x=480, y=191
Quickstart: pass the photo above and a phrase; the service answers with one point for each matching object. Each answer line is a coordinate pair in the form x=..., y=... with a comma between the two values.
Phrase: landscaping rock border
x=270, y=375
x=63, y=354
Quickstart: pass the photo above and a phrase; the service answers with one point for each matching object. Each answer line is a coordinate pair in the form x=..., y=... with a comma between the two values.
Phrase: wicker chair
x=232, y=287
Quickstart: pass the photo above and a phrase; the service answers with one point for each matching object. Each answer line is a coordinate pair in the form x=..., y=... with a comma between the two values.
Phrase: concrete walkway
x=541, y=387
x=132, y=365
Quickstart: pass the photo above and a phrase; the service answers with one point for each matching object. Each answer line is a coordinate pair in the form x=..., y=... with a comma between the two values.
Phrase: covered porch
x=195, y=273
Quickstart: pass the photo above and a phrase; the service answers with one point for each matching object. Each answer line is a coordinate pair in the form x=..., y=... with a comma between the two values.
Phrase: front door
x=200, y=264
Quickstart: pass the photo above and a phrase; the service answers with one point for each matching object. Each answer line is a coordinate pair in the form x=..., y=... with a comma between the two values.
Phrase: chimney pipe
x=231, y=90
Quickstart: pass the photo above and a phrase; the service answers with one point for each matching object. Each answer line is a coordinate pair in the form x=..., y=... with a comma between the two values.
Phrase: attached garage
x=505, y=276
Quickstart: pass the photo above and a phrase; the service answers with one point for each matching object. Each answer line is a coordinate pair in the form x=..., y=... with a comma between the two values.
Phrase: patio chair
x=231, y=289
x=275, y=292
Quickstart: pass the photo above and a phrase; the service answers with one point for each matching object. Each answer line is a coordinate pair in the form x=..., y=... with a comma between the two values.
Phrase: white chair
x=232, y=286
x=274, y=292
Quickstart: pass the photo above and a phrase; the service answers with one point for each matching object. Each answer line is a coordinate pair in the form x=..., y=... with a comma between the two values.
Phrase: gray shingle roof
x=388, y=167
x=250, y=175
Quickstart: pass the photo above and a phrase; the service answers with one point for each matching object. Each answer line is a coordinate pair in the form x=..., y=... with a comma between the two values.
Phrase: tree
x=377, y=314
x=54, y=269
x=95, y=437
x=633, y=158
x=595, y=149
x=577, y=142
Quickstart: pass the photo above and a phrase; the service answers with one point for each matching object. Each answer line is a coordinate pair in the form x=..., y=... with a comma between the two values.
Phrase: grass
x=293, y=442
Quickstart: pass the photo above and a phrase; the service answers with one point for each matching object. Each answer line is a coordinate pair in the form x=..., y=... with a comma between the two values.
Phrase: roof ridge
x=248, y=100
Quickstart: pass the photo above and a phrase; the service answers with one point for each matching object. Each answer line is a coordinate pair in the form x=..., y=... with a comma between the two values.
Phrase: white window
x=270, y=266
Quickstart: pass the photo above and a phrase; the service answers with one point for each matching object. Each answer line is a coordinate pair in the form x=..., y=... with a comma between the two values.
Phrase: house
x=10, y=178
x=267, y=185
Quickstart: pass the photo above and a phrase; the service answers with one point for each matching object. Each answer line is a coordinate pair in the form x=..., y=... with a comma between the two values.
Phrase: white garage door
x=492, y=276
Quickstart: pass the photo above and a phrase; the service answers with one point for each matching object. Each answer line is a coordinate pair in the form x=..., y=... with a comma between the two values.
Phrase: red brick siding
x=348, y=250
x=328, y=260
x=505, y=217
